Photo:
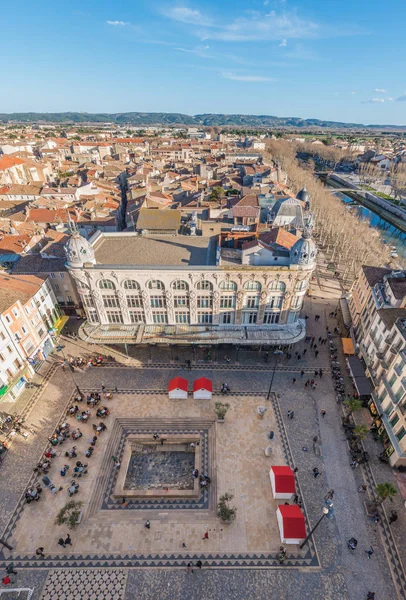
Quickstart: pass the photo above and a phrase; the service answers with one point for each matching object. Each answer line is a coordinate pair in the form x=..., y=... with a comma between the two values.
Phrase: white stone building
x=187, y=290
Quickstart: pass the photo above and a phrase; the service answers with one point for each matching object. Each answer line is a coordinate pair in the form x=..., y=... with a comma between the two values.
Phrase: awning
x=60, y=324
x=345, y=311
x=362, y=383
x=348, y=346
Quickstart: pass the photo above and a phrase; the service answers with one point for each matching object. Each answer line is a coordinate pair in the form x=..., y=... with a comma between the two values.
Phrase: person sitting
x=64, y=470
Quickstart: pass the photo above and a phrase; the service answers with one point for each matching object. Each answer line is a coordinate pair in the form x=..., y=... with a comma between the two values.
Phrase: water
x=391, y=234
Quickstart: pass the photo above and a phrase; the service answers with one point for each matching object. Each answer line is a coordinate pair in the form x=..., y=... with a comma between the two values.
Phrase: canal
x=392, y=235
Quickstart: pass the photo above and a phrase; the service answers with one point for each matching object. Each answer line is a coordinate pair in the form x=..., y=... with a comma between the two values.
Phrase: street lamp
x=276, y=354
x=60, y=349
x=326, y=512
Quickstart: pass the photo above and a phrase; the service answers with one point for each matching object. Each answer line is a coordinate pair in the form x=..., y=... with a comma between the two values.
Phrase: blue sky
x=337, y=59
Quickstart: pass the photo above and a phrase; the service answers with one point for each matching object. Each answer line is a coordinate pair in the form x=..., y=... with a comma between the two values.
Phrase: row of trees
x=347, y=241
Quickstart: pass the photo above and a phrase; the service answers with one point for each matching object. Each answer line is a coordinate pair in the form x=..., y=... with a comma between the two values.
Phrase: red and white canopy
x=291, y=521
x=283, y=482
x=202, y=384
x=177, y=388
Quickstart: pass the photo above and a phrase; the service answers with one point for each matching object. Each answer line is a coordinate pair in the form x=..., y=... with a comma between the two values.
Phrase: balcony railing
x=390, y=391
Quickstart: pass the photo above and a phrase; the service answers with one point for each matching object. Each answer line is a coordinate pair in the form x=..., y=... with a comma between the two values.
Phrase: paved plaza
x=113, y=554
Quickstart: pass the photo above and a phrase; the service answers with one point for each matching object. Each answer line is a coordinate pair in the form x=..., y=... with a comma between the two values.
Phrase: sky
x=341, y=60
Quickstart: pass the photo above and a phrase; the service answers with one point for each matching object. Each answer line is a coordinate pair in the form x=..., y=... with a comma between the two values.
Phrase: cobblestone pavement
x=342, y=575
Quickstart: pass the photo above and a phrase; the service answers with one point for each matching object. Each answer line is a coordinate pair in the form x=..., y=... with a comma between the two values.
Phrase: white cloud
x=401, y=98
x=183, y=14
x=198, y=50
x=353, y=93
x=390, y=99
x=374, y=101
x=283, y=44
x=246, y=78
x=117, y=23
x=380, y=91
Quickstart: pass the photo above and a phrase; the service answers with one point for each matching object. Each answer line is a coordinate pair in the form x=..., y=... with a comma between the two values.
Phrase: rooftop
x=156, y=250
x=18, y=287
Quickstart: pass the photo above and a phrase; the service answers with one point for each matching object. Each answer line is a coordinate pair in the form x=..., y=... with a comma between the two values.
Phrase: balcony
x=380, y=355
x=390, y=391
x=393, y=350
x=389, y=338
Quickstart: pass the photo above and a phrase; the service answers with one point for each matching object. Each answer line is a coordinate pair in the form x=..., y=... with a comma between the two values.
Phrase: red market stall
x=177, y=388
x=202, y=389
x=282, y=482
x=291, y=522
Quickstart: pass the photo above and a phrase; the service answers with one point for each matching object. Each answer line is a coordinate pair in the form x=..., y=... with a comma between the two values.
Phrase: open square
x=118, y=499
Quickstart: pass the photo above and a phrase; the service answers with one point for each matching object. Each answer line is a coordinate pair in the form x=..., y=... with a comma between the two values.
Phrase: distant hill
x=221, y=120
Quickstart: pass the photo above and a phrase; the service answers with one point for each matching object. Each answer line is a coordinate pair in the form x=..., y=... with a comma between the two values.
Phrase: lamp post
x=326, y=512
x=276, y=354
x=60, y=349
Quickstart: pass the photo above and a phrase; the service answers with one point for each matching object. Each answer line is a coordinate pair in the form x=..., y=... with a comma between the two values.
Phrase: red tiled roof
x=202, y=384
x=294, y=526
x=6, y=162
x=279, y=236
x=284, y=480
x=44, y=215
x=178, y=383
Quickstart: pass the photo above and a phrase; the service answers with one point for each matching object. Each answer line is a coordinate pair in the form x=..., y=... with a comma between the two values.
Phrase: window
x=388, y=409
x=159, y=317
x=204, y=302
x=301, y=285
x=18, y=364
x=157, y=302
x=136, y=316
x=399, y=394
x=182, y=317
x=23, y=329
x=204, y=317
x=296, y=302
x=130, y=284
x=204, y=285
x=10, y=372
x=277, y=286
x=251, y=302
x=110, y=301
x=114, y=316
x=106, y=284
x=383, y=395
x=52, y=275
x=15, y=312
x=271, y=317
x=252, y=286
x=392, y=380
x=394, y=420
x=179, y=285
x=180, y=301
x=70, y=299
x=227, y=302
x=249, y=318
x=2, y=336
x=228, y=286
x=2, y=359
x=134, y=301
x=227, y=318
x=88, y=301
x=57, y=288
x=41, y=333
x=27, y=310
x=401, y=433
x=62, y=275
x=8, y=319
x=92, y=316
x=17, y=337
x=9, y=349
x=154, y=284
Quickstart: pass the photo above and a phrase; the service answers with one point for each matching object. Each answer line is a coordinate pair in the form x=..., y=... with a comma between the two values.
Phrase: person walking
x=206, y=536
x=68, y=540
x=10, y=570
x=61, y=542
x=184, y=545
x=292, y=414
x=370, y=552
x=329, y=495
x=199, y=564
x=316, y=354
x=103, y=387
x=393, y=517
x=293, y=380
x=323, y=413
x=321, y=373
x=362, y=488
x=304, y=351
x=316, y=472
x=40, y=552
x=190, y=567
x=288, y=414
x=282, y=555
x=301, y=373
x=147, y=524
x=295, y=499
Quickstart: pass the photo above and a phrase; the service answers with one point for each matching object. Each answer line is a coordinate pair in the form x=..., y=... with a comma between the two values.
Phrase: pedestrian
x=61, y=542
x=206, y=536
x=292, y=414
x=316, y=354
x=293, y=380
x=116, y=389
x=304, y=351
x=155, y=436
x=68, y=540
x=282, y=555
x=307, y=382
x=299, y=356
x=311, y=381
x=199, y=564
x=299, y=504
x=369, y=552
x=393, y=517
x=319, y=340
x=147, y=524
x=321, y=373
x=195, y=473
x=295, y=499
x=315, y=347
x=316, y=472
x=288, y=413
x=189, y=567
x=301, y=373
x=295, y=470
x=329, y=495
x=103, y=387
x=40, y=552
x=10, y=570
x=314, y=386
x=362, y=488
x=323, y=413
x=316, y=373
x=123, y=503
x=184, y=545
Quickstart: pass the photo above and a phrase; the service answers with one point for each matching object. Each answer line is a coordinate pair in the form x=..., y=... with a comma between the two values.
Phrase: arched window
x=155, y=284
x=106, y=284
x=301, y=285
x=179, y=285
x=252, y=286
x=277, y=286
x=227, y=286
x=204, y=285
x=130, y=284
